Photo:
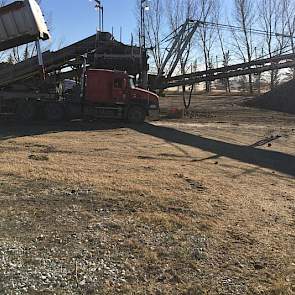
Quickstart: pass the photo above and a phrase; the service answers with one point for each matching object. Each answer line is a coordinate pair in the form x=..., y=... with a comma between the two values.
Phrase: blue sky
x=73, y=20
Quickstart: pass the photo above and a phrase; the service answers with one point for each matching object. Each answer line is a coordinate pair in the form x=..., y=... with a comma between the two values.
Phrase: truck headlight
x=153, y=107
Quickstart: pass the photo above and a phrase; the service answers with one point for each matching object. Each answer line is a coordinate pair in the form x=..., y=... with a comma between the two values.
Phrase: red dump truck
x=99, y=94
x=113, y=93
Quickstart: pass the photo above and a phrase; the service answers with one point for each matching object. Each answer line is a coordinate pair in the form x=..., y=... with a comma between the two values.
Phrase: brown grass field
x=191, y=206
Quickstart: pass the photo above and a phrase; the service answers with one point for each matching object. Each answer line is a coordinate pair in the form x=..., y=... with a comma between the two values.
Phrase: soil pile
x=280, y=99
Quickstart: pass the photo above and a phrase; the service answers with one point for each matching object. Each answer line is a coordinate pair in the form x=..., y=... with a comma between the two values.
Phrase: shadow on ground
x=273, y=160
x=10, y=130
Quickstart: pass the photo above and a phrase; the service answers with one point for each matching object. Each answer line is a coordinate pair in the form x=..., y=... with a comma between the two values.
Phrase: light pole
x=99, y=8
x=143, y=8
x=144, y=75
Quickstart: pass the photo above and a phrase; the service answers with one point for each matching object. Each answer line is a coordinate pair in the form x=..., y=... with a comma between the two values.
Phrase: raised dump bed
x=21, y=22
x=52, y=60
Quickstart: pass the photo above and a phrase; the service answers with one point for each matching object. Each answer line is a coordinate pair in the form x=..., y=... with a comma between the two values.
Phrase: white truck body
x=21, y=22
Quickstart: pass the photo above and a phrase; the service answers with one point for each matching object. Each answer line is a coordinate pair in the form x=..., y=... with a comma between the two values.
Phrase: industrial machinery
x=177, y=44
x=98, y=65
x=97, y=92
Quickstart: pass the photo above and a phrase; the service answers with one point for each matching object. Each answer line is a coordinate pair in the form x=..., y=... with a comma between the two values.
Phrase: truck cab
x=113, y=92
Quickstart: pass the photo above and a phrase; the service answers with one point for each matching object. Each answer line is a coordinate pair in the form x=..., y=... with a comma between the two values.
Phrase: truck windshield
x=131, y=83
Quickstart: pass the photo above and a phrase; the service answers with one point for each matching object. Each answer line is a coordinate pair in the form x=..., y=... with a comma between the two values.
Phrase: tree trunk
x=250, y=84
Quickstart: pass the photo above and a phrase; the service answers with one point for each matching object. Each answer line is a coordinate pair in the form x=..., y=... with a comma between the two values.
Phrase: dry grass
x=115, y=211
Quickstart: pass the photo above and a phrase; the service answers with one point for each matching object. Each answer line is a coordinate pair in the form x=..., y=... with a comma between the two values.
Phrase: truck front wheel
x=55, y=112
x=136, y=115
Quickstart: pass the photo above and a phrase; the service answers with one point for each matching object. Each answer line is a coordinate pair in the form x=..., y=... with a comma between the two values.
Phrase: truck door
x=119, y=89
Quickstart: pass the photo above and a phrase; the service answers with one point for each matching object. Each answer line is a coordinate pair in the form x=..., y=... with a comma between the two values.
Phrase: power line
x=236, y=28
x=227, y=27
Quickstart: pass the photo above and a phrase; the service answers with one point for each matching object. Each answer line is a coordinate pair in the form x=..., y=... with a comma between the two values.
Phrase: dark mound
x=281, y=99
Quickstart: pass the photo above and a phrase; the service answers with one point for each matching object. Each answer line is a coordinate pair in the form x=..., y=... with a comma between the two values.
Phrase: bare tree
x=288, y=12
x=224, y=51
x=244, y=14
x=270, y=14
x=178, y=11
x=154, y=26
x=225, y=59
x=207, y=13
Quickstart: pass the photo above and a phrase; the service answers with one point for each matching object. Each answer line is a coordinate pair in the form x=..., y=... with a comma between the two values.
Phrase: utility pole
x=142, y=41
x=143, y=8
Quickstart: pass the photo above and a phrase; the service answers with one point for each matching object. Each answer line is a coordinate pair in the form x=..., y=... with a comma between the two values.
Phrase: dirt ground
x=281, y=98
x=204, y=205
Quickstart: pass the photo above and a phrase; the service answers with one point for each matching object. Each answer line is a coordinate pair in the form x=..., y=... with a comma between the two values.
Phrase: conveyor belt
x=52, y=60
x=254, y=67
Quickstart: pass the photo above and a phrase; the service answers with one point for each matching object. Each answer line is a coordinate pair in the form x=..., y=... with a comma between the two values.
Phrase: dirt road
x=191, y=206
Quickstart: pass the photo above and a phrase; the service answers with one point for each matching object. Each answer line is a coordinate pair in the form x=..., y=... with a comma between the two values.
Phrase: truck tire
x=136, y=115
x=26, y=111
x=54, y=112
